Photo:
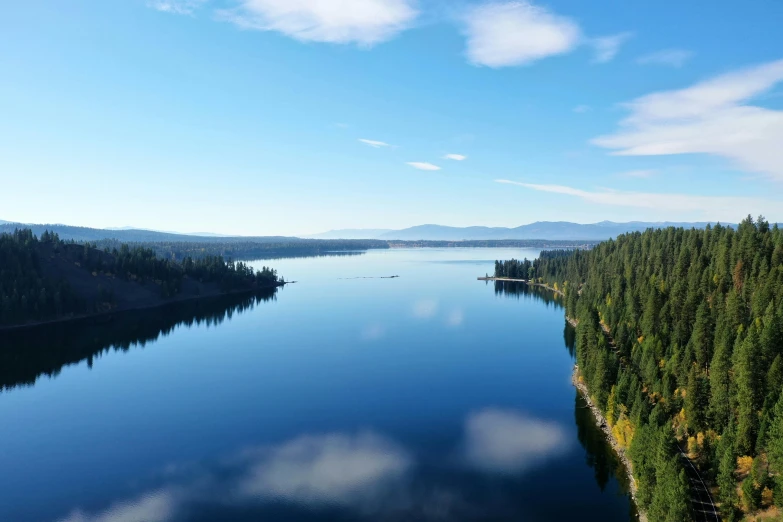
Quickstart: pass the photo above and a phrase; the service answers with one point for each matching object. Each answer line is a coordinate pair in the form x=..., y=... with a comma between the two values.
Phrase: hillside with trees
x=44, y=279
x=680, y=342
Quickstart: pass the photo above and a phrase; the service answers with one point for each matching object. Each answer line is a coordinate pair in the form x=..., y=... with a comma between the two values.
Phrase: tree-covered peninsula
x=680, y=342
x=44, y=279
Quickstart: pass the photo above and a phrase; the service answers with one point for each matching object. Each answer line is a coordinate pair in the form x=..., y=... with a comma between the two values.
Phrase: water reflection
x=26, y=355
x=598, y=454
x=569, y=337
x=341, y=476
x=524, y=291
x=307, y=254
x=328, y=469
x=510, y=442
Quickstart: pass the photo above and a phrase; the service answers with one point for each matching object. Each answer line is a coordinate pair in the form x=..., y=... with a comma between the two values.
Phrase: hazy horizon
x=223, y=233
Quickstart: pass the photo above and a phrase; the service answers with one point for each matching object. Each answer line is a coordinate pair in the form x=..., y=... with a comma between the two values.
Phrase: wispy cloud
x=638, y=173
x=607, y=47
x=363, y=22
x=510, y=442
x=374, y=143
x=516, y=33
x=709, y=118
x=723, y=208
x=421, y=165
x=671, y=57
x=581, y=109
x=184, y=7
x=455, y=157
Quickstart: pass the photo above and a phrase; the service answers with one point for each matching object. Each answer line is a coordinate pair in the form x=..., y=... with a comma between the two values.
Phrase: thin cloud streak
x=182, y=7
x=423, y=165
x=642, y=174
x=455, y=157
x=712, y=208
x=670, y=57
x=373, y=143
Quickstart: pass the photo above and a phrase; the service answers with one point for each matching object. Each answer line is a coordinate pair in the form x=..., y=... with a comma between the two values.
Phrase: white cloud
x=607, y=47
x=581, y=109
x=375, y=144
x=510, y=442
x=364, y=22
x=331, y=468
x=455, y=157
x=708, y=118
x=156, y=506
x=425, y=309
x=423, y=165
x=185, y=7
x=708, y=208
x=671, y=57
x=516, y=33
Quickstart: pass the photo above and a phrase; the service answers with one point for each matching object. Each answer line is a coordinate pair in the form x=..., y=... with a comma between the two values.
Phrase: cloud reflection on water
x=365, y=472
x=154, y=506
x=347, y=470
x=425, y=308
x=373, y=332
x=332, y=468
x=510, y=442
x=455, y=318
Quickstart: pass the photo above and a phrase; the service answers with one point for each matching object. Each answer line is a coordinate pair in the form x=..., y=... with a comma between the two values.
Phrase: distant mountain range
x=541, y=230
x=550, y=230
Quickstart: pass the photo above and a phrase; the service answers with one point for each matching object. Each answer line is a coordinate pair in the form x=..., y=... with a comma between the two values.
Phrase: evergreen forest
x=679, y=339
x=46, y=278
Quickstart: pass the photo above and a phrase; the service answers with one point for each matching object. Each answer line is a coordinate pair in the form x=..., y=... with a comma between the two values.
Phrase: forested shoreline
x=46, y=279
x=680, y=342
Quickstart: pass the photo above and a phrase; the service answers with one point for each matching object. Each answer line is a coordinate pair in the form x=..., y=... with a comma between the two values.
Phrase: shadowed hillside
x=48, y=279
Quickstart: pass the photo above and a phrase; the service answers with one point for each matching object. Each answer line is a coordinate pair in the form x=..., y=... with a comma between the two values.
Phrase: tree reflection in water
x=27, y=354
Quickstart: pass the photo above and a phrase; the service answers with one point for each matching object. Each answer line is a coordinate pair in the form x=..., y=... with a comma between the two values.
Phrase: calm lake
x=343, y=397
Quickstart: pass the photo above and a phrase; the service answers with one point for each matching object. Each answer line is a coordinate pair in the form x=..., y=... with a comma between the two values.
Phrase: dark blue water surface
x=432, y=396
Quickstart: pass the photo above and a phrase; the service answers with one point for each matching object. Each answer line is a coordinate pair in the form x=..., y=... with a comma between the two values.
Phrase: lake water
x=343, y=397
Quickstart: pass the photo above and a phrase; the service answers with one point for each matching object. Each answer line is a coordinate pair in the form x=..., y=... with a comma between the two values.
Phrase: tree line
x=30, y=290
x=237, y=248
x=680, y=341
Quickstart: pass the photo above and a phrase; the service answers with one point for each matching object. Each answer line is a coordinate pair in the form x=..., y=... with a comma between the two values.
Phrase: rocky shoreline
x=600, y=421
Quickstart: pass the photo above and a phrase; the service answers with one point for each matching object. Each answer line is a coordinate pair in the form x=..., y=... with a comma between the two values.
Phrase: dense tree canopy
x=680, y=340
x=36, y=275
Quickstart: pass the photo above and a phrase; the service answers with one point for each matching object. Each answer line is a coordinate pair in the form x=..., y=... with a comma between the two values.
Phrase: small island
x=46, y=279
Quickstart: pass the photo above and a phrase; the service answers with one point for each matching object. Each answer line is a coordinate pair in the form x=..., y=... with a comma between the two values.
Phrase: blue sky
x=247, y=116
